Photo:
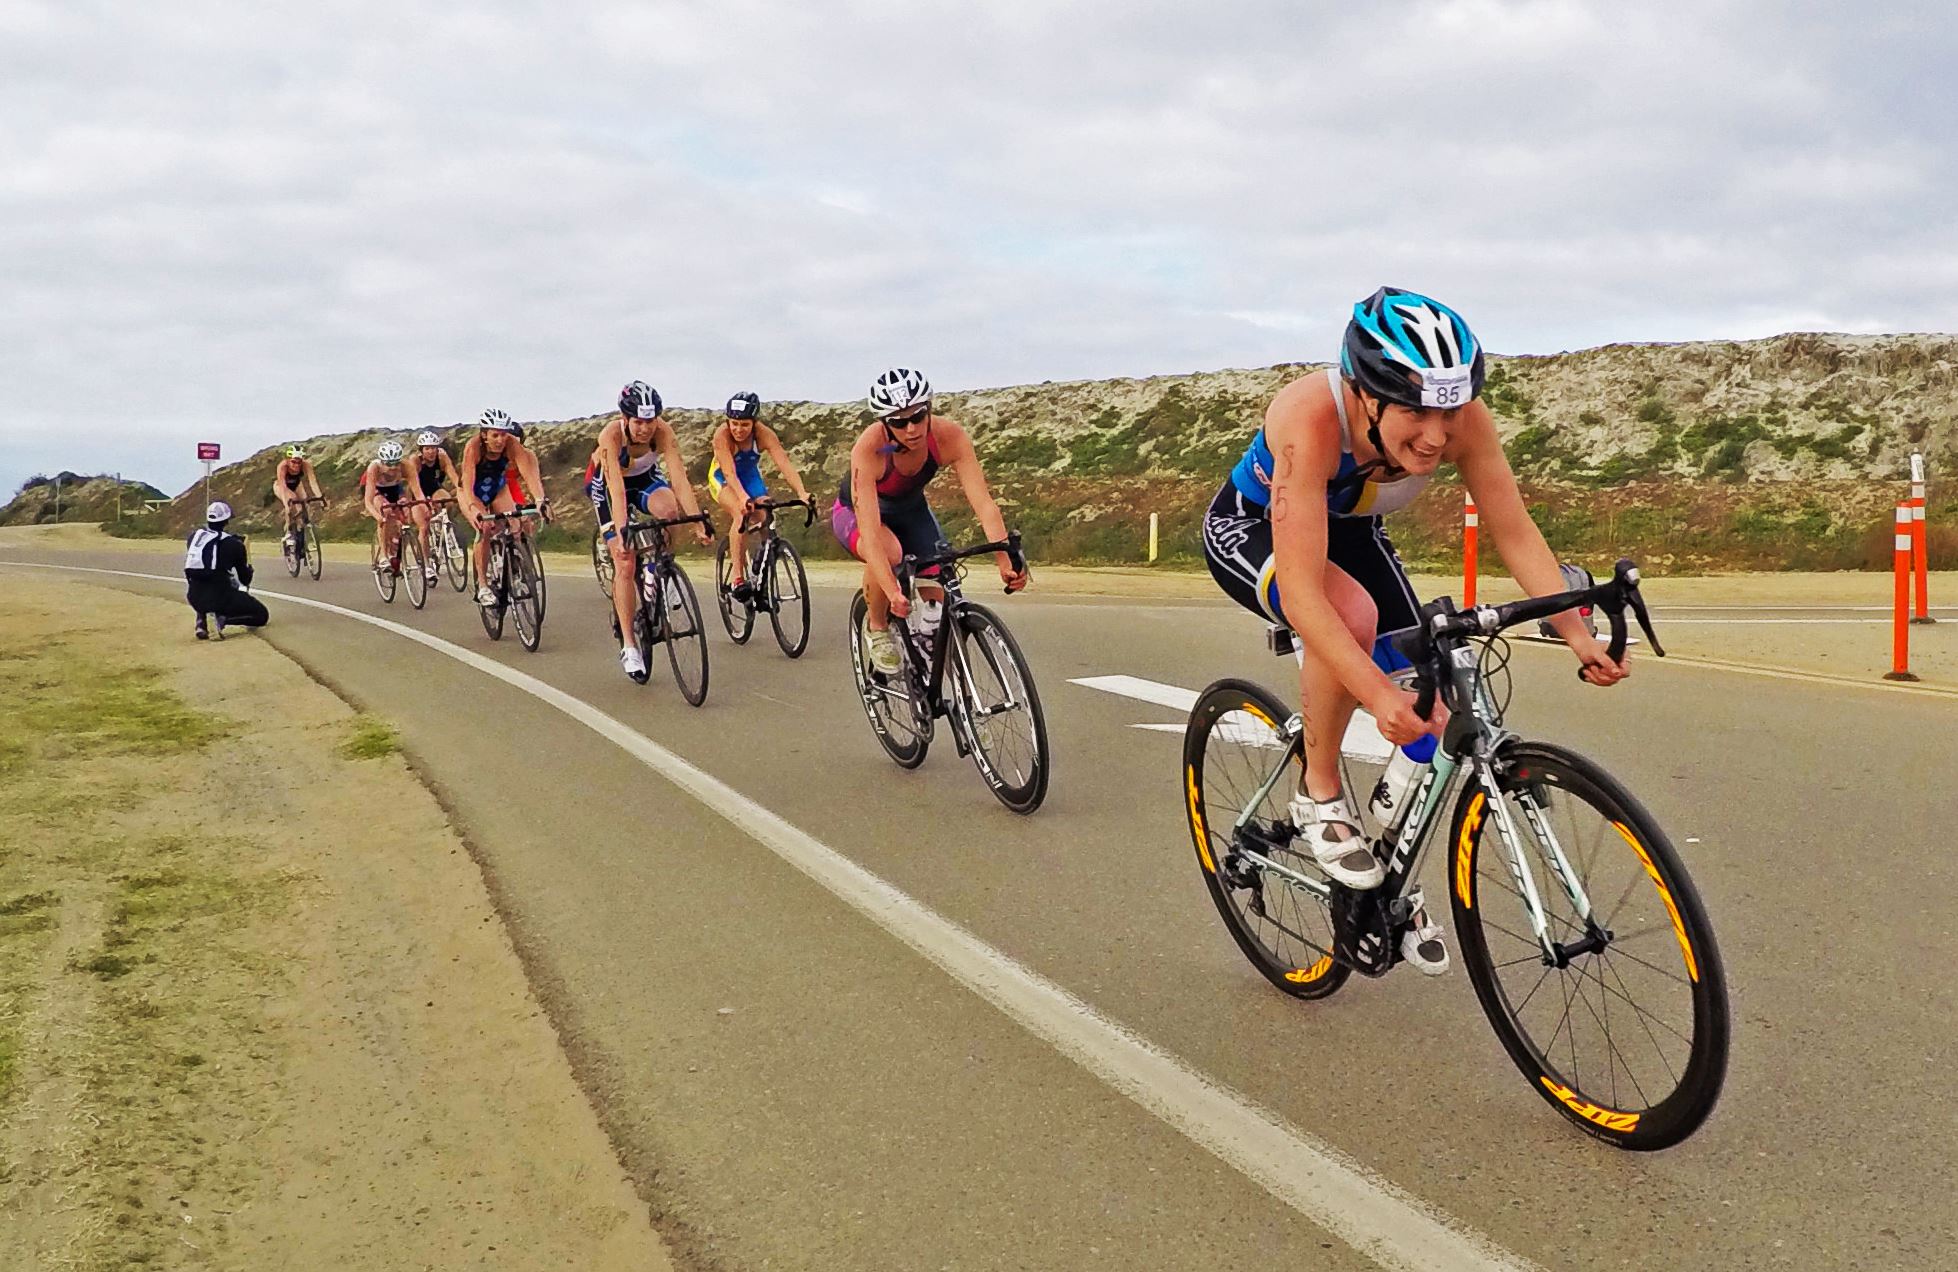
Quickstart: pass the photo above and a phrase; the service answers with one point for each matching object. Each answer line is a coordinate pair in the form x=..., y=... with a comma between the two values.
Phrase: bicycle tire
x=738, y=629
x=794, y=601
x=385, y=580
x=989, y=644
x=526, y=592
x=310, y=538
x=694, y=636
x=540, y=584
x=455, y=558
x=601, y=561
x=911, y=740
x=494, y=572
x=1670, y=930
x=1229, y=745
x=411, y=567
x=290, y=547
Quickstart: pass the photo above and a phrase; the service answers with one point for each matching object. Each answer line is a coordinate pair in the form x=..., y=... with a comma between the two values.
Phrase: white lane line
x=1377, y=1218
x=1362, y=740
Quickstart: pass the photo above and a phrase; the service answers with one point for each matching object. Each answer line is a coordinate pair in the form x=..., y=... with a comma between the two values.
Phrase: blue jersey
x=1348, y=494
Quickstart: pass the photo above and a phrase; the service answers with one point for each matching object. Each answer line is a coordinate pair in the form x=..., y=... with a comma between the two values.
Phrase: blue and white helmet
x=899, y=389
x=640, y=401
x=390, y=453
x=1403, y=347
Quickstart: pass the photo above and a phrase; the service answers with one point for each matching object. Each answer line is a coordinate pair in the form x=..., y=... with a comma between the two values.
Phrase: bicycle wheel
x=289, y=549
x=1007, y=728
x=455, y=557
x=739, y=619
x=494, y=567
x=540, y=585
x=526, y=588
x=788, y=597
x=601, y=561
x=1628, y=1038
x=384, y=576
x=1283, y=926
x=891, y=702
x=309, y=538
x=412, y=567
x=686, y=635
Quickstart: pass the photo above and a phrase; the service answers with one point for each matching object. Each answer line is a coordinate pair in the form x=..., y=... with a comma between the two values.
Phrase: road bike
x=1587, y=944
x=404, y=549
x=992, y=705
x=601, y=560
x=780, y=585
x=668, y=612
x=301, y=546
x=446, y=546
x=509, y=572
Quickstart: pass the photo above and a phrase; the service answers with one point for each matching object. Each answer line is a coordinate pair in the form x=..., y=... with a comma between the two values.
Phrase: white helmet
x=897, y=390
x=218, y=511
x=496, y=421
x=428, y=437
x=390, y=453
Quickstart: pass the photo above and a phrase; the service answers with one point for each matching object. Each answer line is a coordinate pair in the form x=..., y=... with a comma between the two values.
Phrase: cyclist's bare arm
x=772, y=443
x=533, y=479
x=472, y=507
x=676, y=470
x=312, y=479
x=866, y=462
x=956, y=446
x=611, y=440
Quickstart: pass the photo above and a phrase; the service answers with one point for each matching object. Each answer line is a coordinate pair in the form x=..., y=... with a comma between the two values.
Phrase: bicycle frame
x=931, y=664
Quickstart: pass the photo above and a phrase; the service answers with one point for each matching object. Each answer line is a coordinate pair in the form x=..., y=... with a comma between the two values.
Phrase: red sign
x=207, y=451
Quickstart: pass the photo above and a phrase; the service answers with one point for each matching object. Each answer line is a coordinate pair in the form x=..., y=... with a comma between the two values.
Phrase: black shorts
x=1237, y=548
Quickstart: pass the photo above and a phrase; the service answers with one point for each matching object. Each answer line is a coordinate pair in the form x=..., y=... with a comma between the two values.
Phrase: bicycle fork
x=1498, y=802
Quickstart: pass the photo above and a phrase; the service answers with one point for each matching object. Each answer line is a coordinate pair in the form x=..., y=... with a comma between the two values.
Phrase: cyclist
x=881, y=515
x=626, y=473
x=738, y=444
x=485, y=488
x=291, y=473
x=435, y=473
x=1299, y=517
x=386, y=484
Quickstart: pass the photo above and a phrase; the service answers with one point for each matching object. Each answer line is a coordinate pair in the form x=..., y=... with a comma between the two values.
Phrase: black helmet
x=744, y=406
x=640, y=401
x=1402, y=347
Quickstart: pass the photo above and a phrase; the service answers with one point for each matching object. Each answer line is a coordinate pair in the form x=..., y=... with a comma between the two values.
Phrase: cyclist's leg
x=419, y=513
x=494, y=496
x=731, y=498
x=843, y=523
x=918, y=534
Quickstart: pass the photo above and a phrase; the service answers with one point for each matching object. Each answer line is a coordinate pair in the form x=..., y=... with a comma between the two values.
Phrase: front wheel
x=686, y=635
x=455, y=557
x=289, y=549
x=409, y=551
x=788, y=599
x=526, y=592
x=1002, y=711
x=892, y=702
x=385, y=577
x=495, y=565
x=309, y=538
x=1272, y=895
x=1623, y=1026
x=601, y=560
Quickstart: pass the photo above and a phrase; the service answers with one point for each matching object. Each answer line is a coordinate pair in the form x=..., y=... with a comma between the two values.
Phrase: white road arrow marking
x=1362, y=741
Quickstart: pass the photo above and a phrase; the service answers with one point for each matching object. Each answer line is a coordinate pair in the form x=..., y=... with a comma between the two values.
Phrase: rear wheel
x=411, y=567
x=739, y=619
x=384, y=575
x=1008, y=729
x=1274, y=911
x=686, y=635
x=1628, y=1037
x=891, y=702
x=310, y=539
x=788, y=588
x=526, y=592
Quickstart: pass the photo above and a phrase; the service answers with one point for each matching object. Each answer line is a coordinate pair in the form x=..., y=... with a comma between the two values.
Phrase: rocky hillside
x=82, y=499
x=1783, y=452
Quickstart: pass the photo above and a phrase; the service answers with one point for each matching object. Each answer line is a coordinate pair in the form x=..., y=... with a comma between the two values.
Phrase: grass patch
x=80, y=711
x=370, y=739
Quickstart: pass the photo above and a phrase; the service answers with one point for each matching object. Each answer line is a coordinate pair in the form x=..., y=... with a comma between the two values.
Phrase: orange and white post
x=1919, y=553
x=1900, y=610
x=1469, y=529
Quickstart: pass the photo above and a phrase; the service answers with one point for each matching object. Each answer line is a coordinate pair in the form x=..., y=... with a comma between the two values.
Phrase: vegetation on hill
x=1780, y=453
x=80, y=499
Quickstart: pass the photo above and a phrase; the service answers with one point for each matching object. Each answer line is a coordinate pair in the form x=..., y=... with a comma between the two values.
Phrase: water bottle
x=929, y=614
x=1390, y=795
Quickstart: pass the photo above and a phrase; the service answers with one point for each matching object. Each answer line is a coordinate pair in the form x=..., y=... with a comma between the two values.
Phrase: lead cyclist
x=1300, y=519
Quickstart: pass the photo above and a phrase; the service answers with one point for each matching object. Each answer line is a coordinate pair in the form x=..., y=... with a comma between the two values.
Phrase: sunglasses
x=910, y=420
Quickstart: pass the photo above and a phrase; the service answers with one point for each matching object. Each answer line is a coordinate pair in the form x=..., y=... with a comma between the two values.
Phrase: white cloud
x=265, y=221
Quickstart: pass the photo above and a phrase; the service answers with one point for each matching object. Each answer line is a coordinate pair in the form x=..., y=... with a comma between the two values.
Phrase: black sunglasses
x=918, y=416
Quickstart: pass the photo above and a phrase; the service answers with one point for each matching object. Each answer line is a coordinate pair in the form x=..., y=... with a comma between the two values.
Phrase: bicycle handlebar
x=768, y=503
x=1010, y=545
x=1443, y=627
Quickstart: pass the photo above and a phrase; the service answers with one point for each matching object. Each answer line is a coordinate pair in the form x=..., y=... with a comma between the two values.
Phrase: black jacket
x=216, y=557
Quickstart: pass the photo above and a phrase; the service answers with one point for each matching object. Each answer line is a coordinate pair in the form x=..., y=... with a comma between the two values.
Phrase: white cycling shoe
x=1337, y=843
x=484, y=596
x=1421, y=944
x=634, y=665
x=884, y=655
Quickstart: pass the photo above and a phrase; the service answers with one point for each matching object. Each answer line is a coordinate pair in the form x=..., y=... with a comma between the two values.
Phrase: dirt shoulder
x=256, y=1010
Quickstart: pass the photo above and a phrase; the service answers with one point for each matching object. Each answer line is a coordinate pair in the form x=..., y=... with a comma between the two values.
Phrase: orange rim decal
x=1465, y=851
x=1610, y=1119
x=1665, y=894
x=1306, y=975
x=1197, y=830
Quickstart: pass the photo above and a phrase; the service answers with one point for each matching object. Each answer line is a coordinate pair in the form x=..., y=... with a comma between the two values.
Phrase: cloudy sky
x=247, y=222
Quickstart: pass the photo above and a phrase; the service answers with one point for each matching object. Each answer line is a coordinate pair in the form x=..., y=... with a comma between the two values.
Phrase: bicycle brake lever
x=1637, y=603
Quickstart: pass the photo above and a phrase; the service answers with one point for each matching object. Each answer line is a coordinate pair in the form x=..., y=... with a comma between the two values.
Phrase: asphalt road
x=794, y=1086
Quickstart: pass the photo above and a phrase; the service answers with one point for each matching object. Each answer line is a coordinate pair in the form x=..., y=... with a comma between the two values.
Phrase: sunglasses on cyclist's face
x=909, y=420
